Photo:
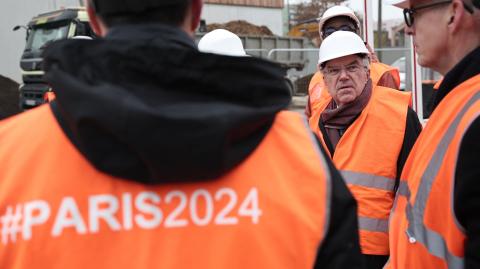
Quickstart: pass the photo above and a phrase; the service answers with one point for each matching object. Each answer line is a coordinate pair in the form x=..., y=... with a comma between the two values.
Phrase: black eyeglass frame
x=341, y=28
x=408, y=12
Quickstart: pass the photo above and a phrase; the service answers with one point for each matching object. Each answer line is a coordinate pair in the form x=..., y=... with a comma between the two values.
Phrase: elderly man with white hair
x=368, y=131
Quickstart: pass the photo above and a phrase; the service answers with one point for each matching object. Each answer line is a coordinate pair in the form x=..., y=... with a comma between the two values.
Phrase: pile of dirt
x=9, y=97
x=241, y=28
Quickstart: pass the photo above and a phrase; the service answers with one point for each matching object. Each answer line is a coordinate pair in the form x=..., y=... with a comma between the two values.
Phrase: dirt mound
x=9, y=97
x=241, y=28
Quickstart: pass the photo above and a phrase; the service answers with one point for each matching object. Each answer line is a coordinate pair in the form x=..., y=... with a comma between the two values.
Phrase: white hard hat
x=338, y=11
x=82, y=37
x=222, y=42
x=399, y=3
x=339, y=44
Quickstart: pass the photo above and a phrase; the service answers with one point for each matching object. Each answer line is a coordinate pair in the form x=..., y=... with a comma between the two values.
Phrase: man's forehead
x=346, y=60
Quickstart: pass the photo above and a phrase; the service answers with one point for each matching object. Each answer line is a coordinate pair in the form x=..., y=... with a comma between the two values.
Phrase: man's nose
x=343, y=74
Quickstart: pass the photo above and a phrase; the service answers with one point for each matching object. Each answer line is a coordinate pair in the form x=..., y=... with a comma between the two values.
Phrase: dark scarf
x=336, y=120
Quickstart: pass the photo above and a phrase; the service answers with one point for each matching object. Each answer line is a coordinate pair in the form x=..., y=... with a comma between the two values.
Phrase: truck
x=40, y=32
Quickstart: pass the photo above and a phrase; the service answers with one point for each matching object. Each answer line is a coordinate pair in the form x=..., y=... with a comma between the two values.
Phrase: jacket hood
x=144, y=104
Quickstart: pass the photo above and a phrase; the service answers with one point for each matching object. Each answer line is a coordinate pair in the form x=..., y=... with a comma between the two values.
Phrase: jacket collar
x=467, y=68
x=157, y=33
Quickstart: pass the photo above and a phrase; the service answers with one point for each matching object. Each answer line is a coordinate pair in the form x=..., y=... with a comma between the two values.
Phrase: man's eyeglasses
x=409, y=12
x=330, y=30
x=334, y=71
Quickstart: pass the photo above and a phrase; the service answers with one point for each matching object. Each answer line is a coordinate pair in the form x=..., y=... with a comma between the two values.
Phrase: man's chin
x=346, y=100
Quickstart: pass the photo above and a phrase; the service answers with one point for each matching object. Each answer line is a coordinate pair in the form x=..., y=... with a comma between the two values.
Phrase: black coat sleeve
x=467, y=193
x=341, y=247
x=412, y=131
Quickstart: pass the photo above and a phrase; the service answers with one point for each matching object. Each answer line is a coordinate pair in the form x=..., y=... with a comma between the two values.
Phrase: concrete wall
x=270, y=17
x=19, y=12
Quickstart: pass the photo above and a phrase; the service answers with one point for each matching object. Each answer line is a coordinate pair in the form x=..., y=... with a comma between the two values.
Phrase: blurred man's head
x=338, y=18
x=344, y=62
x=105, y=14
x=223, y=42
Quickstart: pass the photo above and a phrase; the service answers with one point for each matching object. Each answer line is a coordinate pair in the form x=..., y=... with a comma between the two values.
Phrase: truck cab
x=41, y=31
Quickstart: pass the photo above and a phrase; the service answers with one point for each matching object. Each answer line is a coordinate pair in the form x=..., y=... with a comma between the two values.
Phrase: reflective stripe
x=403, y=189
x=373, y=225
x=368, y=180
x=417, y=230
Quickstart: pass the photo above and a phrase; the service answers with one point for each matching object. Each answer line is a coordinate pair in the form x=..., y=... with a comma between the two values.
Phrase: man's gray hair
x=364, y=58
x=366, y=62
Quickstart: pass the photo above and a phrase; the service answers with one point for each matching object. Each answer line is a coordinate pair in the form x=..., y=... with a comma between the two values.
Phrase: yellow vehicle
x=308, y=29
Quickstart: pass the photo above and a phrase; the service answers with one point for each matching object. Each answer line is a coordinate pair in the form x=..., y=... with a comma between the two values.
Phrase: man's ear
x=196, y=9
x=455, y=15
x=94, y=20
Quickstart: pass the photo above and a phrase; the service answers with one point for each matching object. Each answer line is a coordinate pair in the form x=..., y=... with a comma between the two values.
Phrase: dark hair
x=172, y=14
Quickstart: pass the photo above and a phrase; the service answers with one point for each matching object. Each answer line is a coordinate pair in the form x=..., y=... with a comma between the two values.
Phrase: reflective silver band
x=373, y=225
x=368, y=180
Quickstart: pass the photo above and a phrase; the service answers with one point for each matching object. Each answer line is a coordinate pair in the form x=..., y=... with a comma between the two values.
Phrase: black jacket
x=143, y=104
x=467, y=173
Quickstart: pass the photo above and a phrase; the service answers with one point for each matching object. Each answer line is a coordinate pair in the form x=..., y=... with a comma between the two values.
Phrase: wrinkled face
x=345, y=78
x=336, y=24
x=429, y=38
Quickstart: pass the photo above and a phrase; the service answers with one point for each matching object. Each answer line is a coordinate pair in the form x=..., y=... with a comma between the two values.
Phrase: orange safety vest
x=424, y=232
x=317, y=89
x=366, y=156
x=57, y=211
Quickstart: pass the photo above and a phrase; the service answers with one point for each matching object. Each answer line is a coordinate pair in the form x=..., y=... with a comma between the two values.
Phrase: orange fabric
x=437, y=84
x=371, y=145
x=317, y=89
x=462, y=104
x=97, y=221
x=49, y=96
